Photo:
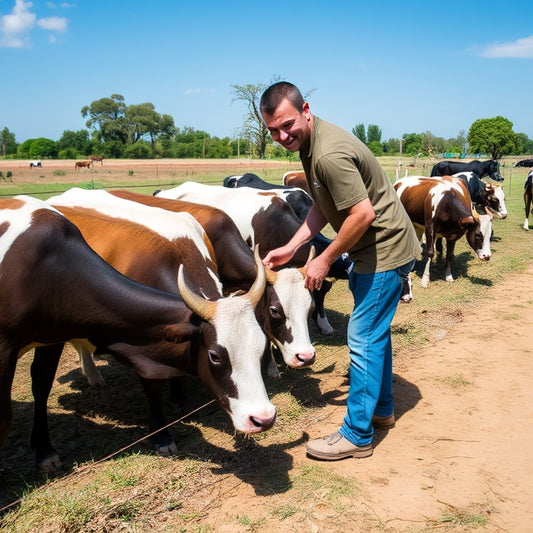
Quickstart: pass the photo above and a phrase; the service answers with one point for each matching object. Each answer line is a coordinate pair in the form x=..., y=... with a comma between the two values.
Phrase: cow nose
x=306, y=358
x=485, y=257
x=263, y=423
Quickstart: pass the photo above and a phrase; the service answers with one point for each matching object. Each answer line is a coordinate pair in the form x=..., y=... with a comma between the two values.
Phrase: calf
x=439, y=207
x=284, y=307
x=528, y=195
x=44, y=261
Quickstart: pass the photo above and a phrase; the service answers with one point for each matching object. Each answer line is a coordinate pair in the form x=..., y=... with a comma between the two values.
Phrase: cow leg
x=319, y=313
x=450, y=248
x=269, y=365
x=430, y=252
x=406, y=295
x=43, y=372
x=8, y=363
x=424, y=282
x=527, y=203
x=88, y=368
x=164, y=445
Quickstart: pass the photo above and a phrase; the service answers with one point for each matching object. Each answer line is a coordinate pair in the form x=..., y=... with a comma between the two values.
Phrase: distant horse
x=490, y=168
x=98, y=159
x=36, y=164
x=83, y=164
x=528, y=195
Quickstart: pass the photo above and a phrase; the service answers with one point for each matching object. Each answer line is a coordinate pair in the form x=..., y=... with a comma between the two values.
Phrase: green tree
x=376, y=148
x=359, y=131
x=143, y=120
x=8, y=145
x=412, y=143
x=78, y=140
x=106, y=117
x=492, y=136
x=39, y=148
x=373, y=134
x=525, y=144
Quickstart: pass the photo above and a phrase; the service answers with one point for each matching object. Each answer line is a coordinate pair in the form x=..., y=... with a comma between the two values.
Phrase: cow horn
x=271, y=275
x=258, y=287
x=203, y=308
x=467, y=220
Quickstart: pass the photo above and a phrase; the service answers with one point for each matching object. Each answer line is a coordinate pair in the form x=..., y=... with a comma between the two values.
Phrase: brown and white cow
x=55, y=288
x=284, y=307
x=441, y=207
x=262, y=217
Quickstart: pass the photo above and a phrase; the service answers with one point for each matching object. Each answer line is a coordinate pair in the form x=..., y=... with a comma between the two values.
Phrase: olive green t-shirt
x=341, y=171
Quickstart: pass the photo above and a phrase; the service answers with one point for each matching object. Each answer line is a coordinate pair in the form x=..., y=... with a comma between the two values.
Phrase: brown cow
x=83, y=164
x=97, y=159
x=441, y=206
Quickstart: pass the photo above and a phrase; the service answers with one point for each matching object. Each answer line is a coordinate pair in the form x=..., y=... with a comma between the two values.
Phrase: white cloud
x=16, y=27
x=521, y=48
x=53, y=23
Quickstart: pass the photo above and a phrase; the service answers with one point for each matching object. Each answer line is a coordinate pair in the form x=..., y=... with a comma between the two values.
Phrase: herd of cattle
x=173, y=284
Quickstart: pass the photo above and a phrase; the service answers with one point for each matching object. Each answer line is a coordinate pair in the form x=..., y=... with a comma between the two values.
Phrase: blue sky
x=409, y=67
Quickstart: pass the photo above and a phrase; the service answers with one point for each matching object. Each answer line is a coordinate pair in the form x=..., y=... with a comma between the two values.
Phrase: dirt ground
x=462, y=439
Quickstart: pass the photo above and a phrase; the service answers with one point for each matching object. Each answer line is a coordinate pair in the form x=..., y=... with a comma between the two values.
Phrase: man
x=351, y=192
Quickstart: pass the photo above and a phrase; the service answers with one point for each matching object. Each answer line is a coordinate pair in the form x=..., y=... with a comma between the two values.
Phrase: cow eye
x=214, y=357
x=274, y=312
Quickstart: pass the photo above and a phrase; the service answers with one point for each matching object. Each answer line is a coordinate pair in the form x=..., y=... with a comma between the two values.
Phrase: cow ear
x=179, y=333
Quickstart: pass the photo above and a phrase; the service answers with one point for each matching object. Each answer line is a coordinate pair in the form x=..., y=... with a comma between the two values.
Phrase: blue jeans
x=376, y=298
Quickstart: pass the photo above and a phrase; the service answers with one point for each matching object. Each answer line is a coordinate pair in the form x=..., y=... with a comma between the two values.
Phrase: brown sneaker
x=384, y=422
x=334, y=447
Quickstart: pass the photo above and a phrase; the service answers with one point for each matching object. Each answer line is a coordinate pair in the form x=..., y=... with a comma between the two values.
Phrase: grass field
x=138, y=491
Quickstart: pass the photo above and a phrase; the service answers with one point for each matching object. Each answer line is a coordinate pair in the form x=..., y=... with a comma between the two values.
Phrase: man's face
x=288, y=126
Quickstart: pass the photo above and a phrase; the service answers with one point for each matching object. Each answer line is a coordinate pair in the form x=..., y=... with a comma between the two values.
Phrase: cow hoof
x=167, y=451
x=324, y=326
x=50, y=464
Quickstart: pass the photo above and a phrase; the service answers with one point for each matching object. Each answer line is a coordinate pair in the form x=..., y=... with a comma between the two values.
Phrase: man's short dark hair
x=276, y=93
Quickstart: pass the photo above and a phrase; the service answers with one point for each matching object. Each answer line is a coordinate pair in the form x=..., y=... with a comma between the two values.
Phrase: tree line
x=117, y=130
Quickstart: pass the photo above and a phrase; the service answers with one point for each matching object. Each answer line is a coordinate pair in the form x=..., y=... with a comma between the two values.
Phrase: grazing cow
x=44, y=261
x=154, y=260
x=525, y=163
x=262, y=217
x=528, y=195
x=284, y=307
x=439, y=207
x=36, y=164
x=481, y=193
x=490, y=168
x=83, y=164
x=97, y=159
